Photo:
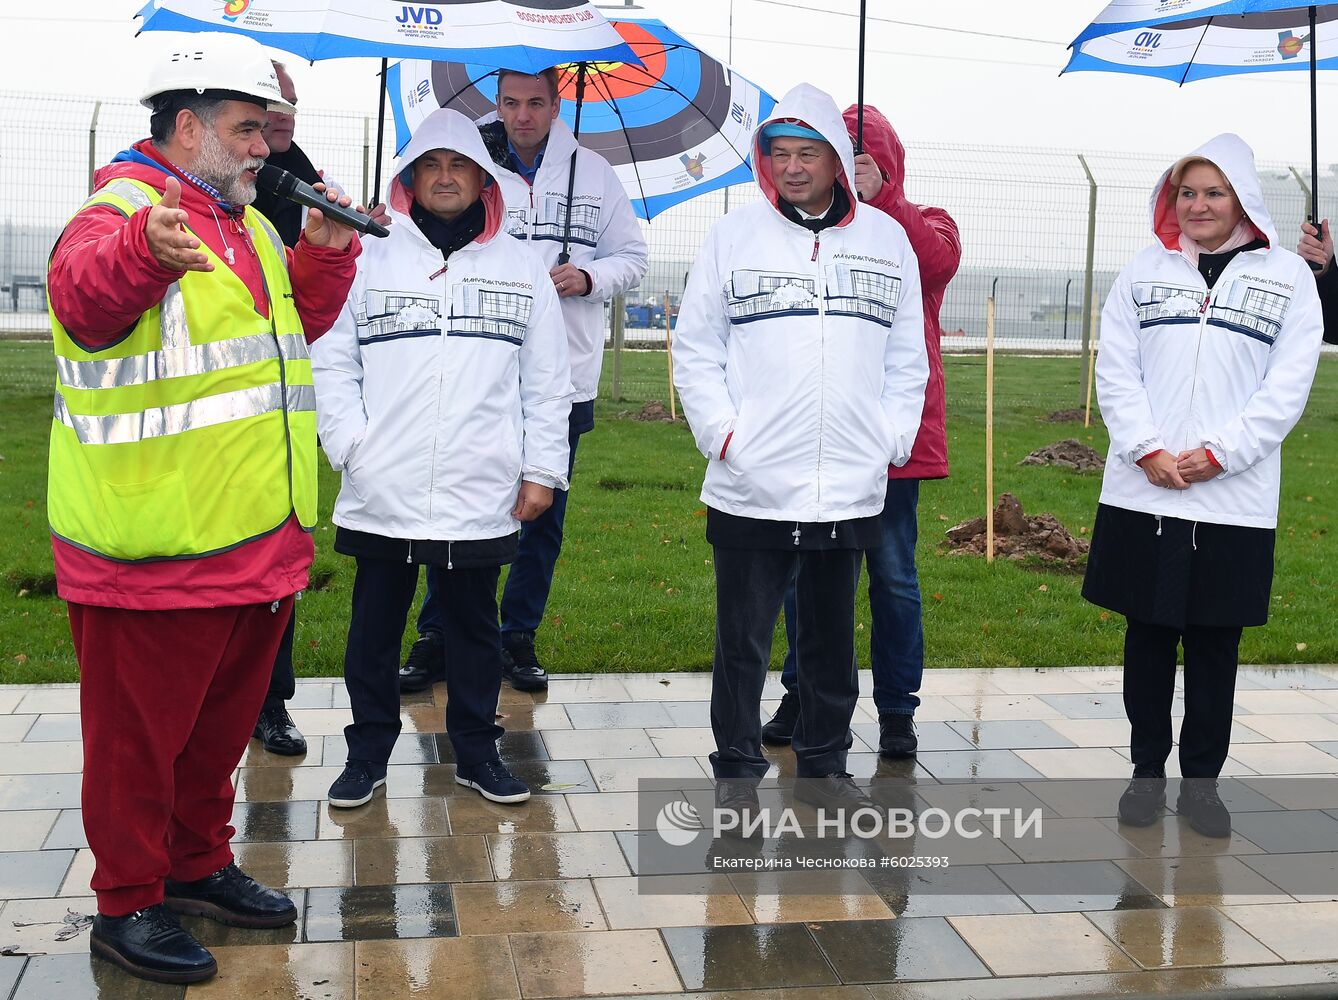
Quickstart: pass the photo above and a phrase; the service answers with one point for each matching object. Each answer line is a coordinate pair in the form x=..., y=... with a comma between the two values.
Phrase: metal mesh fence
x=1025, y=216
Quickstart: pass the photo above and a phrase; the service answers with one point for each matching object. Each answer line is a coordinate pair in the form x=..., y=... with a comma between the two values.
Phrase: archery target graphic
x=678, y=124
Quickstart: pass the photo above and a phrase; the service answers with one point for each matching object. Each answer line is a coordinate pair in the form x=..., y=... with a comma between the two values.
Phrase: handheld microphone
x=278, y=181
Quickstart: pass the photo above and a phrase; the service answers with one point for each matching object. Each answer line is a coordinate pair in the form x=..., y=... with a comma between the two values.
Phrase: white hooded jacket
x=1181, y=367
x=804, y=351
x=441, y=386
x=606, y=241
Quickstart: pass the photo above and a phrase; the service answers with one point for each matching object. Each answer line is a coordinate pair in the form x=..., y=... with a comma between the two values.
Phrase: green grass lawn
x=635, y=591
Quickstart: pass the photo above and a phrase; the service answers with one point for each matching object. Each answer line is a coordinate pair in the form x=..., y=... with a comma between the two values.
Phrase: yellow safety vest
x=196, y=431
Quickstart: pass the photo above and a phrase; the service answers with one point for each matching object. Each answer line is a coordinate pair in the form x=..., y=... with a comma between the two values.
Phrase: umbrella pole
x=859, y=101
x=565, y=256
x=1314, y=127
x=380, y=133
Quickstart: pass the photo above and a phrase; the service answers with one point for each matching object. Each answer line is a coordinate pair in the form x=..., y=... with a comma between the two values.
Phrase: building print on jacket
x=847, y=291
x=391, y=315
x=478, y=310
x=1242, y=305
x=550, y=217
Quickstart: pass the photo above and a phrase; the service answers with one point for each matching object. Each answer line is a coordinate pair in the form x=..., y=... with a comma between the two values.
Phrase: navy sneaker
x=355, y=785
x=493, y=781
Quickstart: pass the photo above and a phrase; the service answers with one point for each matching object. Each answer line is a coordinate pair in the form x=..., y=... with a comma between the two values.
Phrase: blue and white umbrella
x=529, y=35
x=1187, y=40
x=523, y=34
x=674, y=125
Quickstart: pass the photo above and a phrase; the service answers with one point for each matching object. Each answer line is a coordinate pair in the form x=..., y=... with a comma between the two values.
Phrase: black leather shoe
x=520, y=667
x=151, y=944
x=1199, y=803
x=779, y=731
x=277, y=732
x=736, y=803
x=425, y=665
x=1145, y=798
x=896, y=735
x=833, y=792
x=231, y=897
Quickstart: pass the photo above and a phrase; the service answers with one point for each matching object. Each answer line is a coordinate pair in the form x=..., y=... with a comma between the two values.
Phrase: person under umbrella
x=1210, y=339
x=537, y=162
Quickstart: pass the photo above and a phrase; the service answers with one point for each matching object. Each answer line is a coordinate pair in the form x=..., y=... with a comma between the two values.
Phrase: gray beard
x=217, y=167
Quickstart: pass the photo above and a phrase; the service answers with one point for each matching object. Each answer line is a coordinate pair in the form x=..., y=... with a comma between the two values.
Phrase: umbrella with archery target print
x=676, y=126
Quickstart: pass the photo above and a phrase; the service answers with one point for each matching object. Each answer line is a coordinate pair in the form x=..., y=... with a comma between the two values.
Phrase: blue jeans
x=531, y=578
x=897, y=641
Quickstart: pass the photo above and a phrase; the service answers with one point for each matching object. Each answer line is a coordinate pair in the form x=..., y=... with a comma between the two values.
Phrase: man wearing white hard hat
x=182, y=490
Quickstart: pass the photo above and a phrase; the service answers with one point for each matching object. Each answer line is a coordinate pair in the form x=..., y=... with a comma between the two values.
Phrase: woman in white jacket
x=1209, y=342
x=442, y=395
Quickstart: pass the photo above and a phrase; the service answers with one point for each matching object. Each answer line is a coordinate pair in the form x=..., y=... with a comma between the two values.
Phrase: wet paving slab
x=429, y=890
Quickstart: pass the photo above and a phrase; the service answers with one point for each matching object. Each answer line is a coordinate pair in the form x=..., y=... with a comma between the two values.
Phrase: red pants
x=168, y=700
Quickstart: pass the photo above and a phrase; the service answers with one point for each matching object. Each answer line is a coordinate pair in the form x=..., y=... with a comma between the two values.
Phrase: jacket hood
x=1231, y=155
x=816, y=109
x=880, y=141
x=447, y=129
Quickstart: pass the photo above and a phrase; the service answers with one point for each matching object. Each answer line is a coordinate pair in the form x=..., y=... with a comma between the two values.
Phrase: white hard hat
x=216, y=61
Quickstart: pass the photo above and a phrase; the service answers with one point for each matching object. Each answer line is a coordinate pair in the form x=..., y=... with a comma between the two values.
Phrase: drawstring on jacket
x=449, y=564
x=1158, y=517
x=795, y=533
x=1194, y=536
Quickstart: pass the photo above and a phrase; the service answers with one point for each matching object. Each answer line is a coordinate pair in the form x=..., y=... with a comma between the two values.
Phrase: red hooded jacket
x=101, y=279
x=934, y=238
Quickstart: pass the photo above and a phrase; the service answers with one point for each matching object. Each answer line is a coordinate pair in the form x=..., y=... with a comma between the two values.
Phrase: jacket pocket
x=149, y=518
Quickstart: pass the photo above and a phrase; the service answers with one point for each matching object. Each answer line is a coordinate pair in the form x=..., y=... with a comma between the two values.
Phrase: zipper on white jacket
x=822, y=360
x=437, y=274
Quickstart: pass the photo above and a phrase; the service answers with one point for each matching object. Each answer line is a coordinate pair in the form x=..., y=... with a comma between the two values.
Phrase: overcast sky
x=975, y=71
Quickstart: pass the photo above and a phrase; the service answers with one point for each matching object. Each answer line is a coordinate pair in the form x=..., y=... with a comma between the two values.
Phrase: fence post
x=366, y=159
x=669, y=350
x=93, y=144
x=1091, y=363
x=1088, y=288
x=618, y=321
x=989, y=424
x=1305, y=188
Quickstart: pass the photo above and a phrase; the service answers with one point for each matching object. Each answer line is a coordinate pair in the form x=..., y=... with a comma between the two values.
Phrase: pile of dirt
x=1067, y=454
x=1074, y=416
x=1017, y=536
x=654, y=412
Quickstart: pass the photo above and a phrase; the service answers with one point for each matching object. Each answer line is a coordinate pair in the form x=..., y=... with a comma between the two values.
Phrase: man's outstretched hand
x=165, y=230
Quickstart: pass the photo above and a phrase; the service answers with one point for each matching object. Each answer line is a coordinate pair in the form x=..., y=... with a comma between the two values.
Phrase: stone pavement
x=430, y=891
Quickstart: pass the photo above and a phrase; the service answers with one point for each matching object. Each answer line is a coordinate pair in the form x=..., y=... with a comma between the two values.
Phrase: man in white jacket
x=599, y=255
x=800, y=359
x=442, y=395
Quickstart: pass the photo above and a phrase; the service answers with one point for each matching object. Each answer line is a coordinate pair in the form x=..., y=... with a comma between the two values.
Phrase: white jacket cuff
x=541, y=478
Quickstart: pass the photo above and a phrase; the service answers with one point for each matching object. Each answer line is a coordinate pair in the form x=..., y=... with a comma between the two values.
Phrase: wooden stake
x=669, y=349
x=989, y=429
x=1091, y=362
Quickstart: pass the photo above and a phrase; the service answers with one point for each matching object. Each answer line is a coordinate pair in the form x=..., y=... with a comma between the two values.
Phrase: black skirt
x=1173, y=572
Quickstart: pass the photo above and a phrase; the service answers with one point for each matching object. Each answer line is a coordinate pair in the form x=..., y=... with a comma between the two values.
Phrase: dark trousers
x=382, y=593
x=1210, y=687
x=750, y=586
x=167, y=701
x=282, y=681
x=530, y=579
x=897, y=638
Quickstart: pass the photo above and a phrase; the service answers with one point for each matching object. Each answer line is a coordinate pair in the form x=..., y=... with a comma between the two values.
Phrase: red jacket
x=101, y=279
x=934, y=238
